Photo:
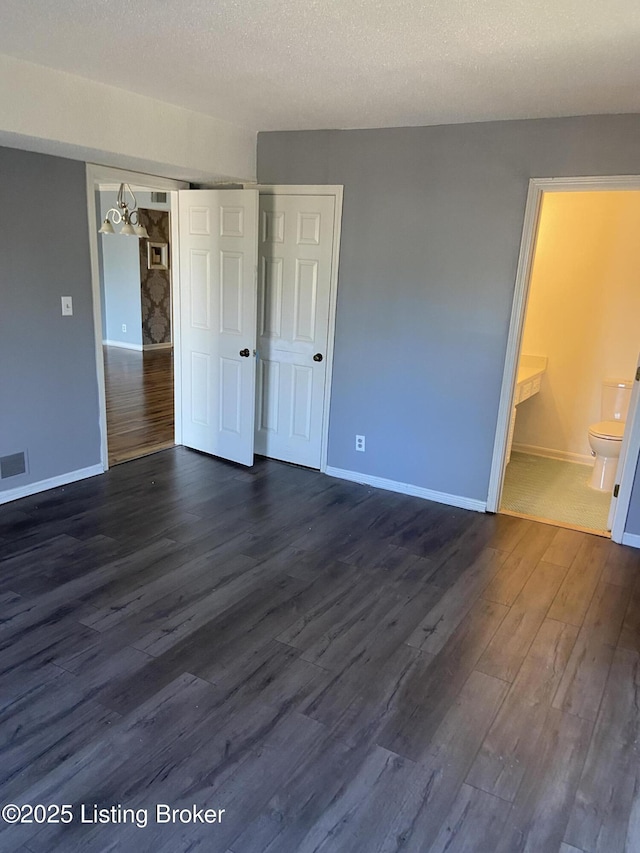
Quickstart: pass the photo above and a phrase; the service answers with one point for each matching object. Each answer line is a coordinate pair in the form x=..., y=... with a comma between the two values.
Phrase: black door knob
x=318, y=356
x=245, y=353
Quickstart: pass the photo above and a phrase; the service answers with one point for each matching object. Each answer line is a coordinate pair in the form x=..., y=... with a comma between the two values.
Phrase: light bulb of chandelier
x=141, y=232
x=128, y=230
x=107, y=228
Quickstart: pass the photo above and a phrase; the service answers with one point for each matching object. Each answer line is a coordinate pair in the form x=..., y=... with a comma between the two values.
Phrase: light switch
x=67, y=306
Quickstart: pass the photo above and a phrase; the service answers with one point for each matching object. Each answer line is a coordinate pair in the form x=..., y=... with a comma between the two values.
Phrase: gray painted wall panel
x=48, y=386
x=432, y=225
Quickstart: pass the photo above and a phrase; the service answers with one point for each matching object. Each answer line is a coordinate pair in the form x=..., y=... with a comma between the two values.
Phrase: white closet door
x=294, y=280
x=218, y=261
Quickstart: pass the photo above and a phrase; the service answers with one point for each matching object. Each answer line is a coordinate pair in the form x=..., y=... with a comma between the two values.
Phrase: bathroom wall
x=583, y=312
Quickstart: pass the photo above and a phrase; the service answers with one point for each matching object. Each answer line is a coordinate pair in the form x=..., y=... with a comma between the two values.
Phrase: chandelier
x=126, y=212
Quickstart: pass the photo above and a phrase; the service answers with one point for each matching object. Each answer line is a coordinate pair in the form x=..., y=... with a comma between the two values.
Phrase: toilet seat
x=611, y=430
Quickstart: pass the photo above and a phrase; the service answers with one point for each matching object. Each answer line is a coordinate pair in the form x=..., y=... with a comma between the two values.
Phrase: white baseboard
x=123, y=345
x=632, y=539
x=146, y=347
x=407, y=489
x=550, y=453
x=51, y=483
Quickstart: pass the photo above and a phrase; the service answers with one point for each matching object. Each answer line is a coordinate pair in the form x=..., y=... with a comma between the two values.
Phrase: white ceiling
x=308, y=64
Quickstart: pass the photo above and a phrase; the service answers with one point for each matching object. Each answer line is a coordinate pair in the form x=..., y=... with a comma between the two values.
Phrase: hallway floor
x=139, y=390
x=554, y=490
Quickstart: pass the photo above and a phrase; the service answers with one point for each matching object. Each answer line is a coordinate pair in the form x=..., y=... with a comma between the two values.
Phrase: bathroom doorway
x=576, y=349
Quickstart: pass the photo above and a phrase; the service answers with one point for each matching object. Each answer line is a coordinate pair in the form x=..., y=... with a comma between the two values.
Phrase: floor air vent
x=11, y=466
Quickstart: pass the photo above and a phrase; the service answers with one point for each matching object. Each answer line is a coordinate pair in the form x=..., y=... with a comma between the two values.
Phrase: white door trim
x=538, y=186
x=337, y=192
x=626, y=471
x=96, y=175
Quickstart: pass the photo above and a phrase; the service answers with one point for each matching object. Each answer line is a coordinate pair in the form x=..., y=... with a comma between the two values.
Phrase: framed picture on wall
x=158, y=256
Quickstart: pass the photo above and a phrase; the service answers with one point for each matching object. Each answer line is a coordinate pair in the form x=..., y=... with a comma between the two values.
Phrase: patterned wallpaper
x=155, y=285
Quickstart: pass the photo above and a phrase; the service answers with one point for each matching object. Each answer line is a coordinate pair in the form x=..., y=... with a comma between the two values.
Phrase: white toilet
x=605, y=437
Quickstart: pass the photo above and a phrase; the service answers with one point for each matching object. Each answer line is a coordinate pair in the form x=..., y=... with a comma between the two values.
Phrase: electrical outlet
x=124, y=327
x=360, y=443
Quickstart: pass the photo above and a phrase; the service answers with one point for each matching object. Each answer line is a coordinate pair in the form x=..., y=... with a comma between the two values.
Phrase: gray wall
x=120, y=281
x=432, y=225
x=48, y=387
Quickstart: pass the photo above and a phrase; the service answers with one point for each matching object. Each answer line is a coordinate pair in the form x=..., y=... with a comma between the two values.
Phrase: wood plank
x=443, y=619
x=84, y=773
x=437, y=778
x=438, y=534
x=373, y=629
x=504, y=655
x=272, y=675
x=41, y=568
x=21, y=680
x=509, y=580
x=630, y=634
x=320, y=623
x=360, y=811
x=542, y=807
x=605, y=797
x=199, y=576
x=622, y=566
x=461, y=550
x=427, y=696
x=534, y=545
x=564, y=547
x=512, y=742
x=619, y=716
x=575, y=594
x=126, y=572
x=474, y=824
x=582, y=685
x=246, y=778
x=335, y=774
x=508, y=532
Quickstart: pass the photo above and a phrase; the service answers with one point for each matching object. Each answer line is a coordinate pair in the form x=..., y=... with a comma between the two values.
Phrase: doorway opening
x=218, y=403
x=567, y=440
x=137, y=327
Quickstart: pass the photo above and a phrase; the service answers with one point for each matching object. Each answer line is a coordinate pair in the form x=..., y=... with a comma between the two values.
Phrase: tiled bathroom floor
x=554, y=490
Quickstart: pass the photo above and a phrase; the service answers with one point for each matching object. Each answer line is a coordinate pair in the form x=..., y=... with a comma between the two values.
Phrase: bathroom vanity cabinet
x=531, y=369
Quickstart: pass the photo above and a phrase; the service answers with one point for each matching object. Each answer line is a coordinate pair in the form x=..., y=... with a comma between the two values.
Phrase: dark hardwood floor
x=139, y=396
x=338, y=668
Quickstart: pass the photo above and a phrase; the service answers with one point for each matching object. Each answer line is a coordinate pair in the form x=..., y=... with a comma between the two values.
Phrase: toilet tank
x=616, y=395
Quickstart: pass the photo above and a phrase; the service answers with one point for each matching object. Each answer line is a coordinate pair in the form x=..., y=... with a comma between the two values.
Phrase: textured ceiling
x=303, y=64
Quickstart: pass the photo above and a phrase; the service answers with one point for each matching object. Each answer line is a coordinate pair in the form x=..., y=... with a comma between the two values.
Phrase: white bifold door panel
x=294, y=278
x=218, y=258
